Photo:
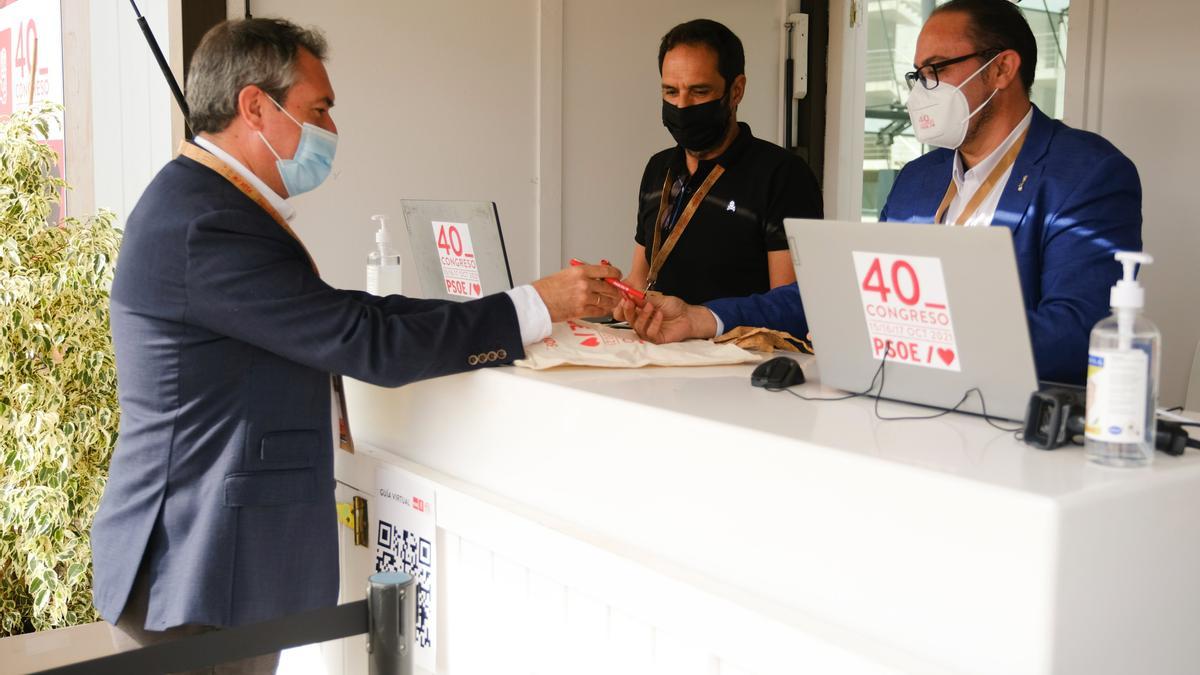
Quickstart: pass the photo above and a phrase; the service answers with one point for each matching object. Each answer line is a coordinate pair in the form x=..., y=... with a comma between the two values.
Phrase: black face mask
x=697, y=127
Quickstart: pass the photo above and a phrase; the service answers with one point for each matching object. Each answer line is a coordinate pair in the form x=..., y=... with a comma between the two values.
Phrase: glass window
x=892, y=29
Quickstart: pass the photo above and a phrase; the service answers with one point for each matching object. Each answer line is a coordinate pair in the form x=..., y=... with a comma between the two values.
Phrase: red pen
x=630, y=292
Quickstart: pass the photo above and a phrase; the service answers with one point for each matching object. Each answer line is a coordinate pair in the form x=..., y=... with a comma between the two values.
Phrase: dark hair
x=731, y=58
x=998, y=24
x=235, y=54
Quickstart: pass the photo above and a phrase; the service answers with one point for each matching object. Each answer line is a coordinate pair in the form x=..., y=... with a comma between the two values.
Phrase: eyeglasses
x=928, y=73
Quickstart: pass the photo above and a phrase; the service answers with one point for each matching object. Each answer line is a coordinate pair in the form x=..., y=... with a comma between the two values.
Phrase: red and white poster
x=31, y=60
x=30, y=31
x=460, y=269
x=6, y=68
x=907, y=309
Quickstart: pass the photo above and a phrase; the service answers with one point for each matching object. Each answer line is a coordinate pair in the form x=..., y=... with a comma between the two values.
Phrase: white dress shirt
x=278, y=203
x=532, y=316
x=720, y=323
x=969, y=181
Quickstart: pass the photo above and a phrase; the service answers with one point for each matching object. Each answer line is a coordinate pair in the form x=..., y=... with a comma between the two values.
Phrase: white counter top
x=944, y=539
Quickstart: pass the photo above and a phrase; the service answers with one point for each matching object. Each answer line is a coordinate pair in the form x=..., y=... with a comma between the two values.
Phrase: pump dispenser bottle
x=1122, y=383
x=383, y=263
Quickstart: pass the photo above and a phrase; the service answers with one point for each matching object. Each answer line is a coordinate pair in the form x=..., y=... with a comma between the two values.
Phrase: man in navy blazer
x=219, y=508
x=1070, y=198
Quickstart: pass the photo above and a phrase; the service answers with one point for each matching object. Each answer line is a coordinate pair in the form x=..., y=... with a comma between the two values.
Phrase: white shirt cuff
x=720, y=324
x=532, y=315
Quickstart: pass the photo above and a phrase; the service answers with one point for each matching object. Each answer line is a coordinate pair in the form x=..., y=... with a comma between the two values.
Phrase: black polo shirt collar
x=726, y=159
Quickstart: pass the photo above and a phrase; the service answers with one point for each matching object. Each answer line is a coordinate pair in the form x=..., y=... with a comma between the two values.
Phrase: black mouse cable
x=966, y=395
x=878, y=372
x=880, y=377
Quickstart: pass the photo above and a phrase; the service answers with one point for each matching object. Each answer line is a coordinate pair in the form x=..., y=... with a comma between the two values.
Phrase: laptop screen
x=943, y=304
x=457, y=247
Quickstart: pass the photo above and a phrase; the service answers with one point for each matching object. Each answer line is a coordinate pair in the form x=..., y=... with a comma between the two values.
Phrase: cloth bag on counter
x=580, y=343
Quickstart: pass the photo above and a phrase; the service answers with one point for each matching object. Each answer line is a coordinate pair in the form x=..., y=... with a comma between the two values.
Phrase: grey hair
x=236, y=54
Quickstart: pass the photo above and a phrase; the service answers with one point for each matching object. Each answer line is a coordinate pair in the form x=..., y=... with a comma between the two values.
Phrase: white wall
x=434, y=101
x=847, y=101
x=612, y=121
x=548, y=107
x=136, y=125
x=1135, y=88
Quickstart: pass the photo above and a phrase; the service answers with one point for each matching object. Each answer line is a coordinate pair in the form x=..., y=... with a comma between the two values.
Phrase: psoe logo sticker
x=925, y=121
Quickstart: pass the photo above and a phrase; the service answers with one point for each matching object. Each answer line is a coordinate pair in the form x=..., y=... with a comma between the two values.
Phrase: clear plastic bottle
x=1123, y=369
x=384, y=273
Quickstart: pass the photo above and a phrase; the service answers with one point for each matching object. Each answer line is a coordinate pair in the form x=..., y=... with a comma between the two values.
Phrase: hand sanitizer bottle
x=383, y=263
x=1122, y=382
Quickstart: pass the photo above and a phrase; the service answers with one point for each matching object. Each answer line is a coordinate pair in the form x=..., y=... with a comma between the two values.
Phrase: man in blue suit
x=1070, y=198
x=219, y=507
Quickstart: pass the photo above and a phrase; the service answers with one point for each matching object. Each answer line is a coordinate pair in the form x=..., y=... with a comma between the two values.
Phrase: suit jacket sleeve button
x=472, y=360
x=492, y=356
x=502, y=354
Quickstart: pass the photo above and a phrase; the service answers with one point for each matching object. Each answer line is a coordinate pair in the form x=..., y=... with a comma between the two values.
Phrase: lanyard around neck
x=211, y=161
x=661, y=250
x=1002, y=167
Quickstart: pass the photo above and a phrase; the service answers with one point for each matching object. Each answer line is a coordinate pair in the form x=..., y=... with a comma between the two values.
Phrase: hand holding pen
x=637, y=297
x=579, y=291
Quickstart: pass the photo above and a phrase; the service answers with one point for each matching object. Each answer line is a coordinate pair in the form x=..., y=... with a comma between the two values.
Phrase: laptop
x=943, y=305
x=457, y=248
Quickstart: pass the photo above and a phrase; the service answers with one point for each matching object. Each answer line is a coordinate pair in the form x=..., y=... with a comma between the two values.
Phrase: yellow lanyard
x=201, y=156
x=984, y=190
x=658, y=256
x=211, y=161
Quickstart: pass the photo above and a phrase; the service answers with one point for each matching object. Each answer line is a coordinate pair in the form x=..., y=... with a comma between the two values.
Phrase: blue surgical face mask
x=313, y=161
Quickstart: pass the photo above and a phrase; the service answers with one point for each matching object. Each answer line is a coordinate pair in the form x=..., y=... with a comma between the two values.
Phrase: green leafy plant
x=58, y=404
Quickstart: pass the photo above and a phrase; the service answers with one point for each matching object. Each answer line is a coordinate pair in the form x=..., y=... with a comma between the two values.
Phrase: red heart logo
x=590, y=342
x=947, y=355
x=477, y=289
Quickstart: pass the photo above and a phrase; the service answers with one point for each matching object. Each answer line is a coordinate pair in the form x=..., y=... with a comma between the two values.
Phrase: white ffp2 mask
x=940, y=115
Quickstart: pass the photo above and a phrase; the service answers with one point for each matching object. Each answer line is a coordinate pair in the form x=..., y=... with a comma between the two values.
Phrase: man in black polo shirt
x=711, y=209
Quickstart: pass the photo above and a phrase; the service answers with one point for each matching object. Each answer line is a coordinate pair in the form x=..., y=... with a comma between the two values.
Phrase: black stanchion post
x=391, y=620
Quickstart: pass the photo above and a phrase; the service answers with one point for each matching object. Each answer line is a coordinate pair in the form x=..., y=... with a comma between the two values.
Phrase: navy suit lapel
x=933, y=188
x=1026, y=173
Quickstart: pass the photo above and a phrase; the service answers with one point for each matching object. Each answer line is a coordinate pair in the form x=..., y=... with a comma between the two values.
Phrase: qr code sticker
x=399, y=550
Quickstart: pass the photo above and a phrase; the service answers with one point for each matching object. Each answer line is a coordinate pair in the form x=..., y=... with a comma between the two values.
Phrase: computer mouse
x=780, y=372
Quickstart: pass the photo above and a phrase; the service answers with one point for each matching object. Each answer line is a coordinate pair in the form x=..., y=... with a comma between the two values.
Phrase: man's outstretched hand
x=666, y=318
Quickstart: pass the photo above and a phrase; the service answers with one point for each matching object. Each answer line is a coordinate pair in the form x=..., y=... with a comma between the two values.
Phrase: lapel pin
x=1021, y=185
